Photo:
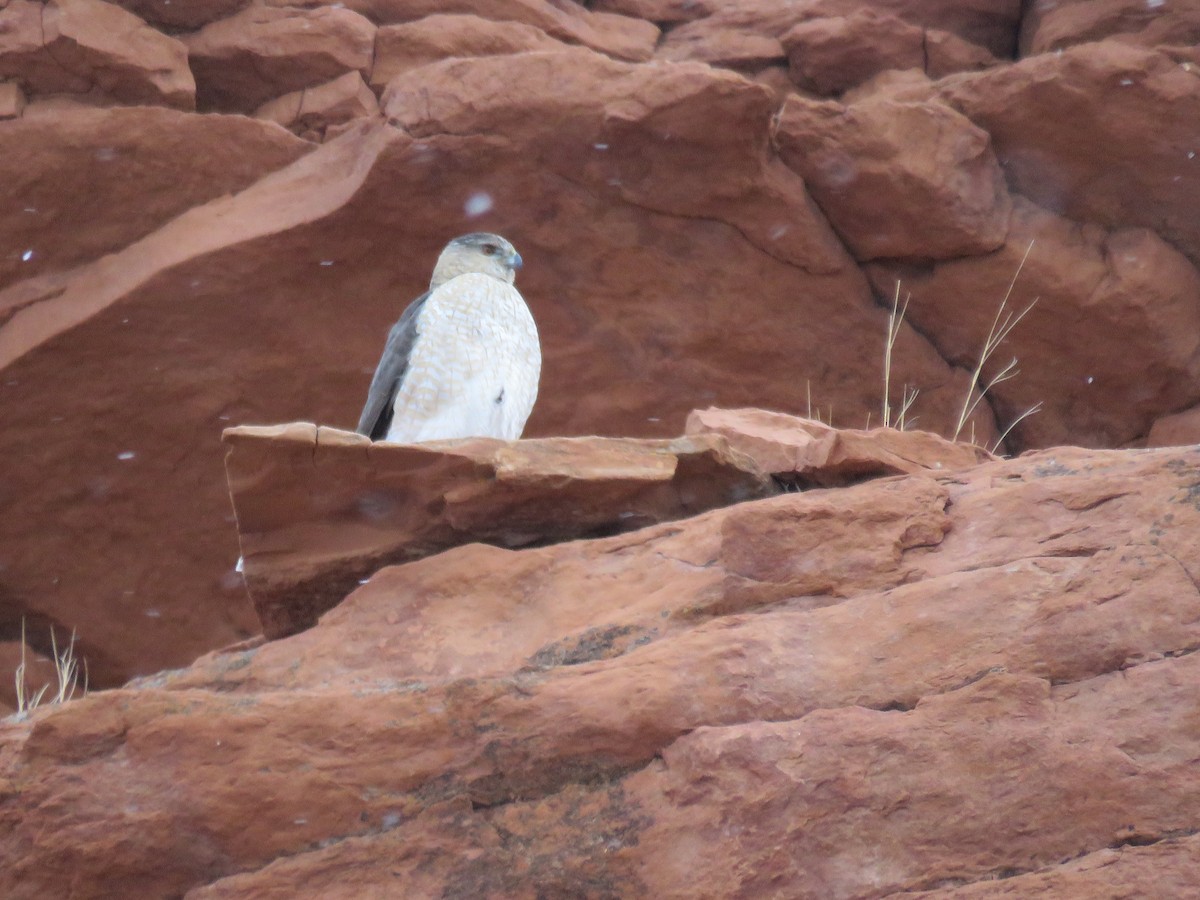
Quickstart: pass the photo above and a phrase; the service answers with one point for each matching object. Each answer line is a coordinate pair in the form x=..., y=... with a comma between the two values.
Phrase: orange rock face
x=93, y=48
x=320, y=510
x=215, y=209
x=757, y=699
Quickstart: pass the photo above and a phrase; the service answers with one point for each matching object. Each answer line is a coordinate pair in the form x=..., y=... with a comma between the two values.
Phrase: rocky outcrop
x=650, y=232
x=898, y=180
x=618, y=36
x=265, y=51
x=930, y=667
x=1108, y=96
x=12, y=100
x=72, y=168
x=769, y=657
x=94, y=49
x=312, y=112
x=1064, y=23
x=410, y=45
x=320, y=510
x=715, y=201
x=803, y=453
x=1143, y=303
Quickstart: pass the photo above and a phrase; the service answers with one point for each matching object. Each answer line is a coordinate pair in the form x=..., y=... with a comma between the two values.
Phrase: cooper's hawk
x=464, y=359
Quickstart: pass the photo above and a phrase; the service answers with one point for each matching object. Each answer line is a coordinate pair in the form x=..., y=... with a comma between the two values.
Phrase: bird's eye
x=490, y=249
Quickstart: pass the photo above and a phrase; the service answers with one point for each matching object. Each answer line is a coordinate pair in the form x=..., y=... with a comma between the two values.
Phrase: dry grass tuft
x=908, y=395
x=1003, y=323
x=66, y=671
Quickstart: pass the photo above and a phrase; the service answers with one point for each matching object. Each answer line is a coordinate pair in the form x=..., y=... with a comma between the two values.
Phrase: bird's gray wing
x=377, y=413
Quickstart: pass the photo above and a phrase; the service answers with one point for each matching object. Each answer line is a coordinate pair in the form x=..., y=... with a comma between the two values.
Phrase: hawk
x=464, y=359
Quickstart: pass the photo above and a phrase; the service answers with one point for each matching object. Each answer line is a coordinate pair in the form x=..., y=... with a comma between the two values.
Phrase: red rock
x=177, y=15
x=1123, y=102
x=1176, y=429
x=989, y=24
x=898, y=179
x=399, y=48
x=1125, y=297
x=810, y=453
x=634, y=124
x=320, y=510
x=931, y=668
x=12, y=100
x=674, y=266
x=618, y=36
x=312, y=111
x=81, y=46
x=667, y=12
x=264, y=51
x=726, y=172
x=1055, y=25
x=947, y=53
x=132, y=469
x=71, y=168
x=1169, y=867
x=831, y=55
x=731, y=48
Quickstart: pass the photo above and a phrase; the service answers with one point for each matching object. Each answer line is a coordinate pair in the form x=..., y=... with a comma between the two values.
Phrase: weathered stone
x=181, y=14
x=69, y=169
x=810, y=453
x=667, y=12
x=92, y=47
x=673, y=262
x=1108, y=97
x=931, y=667
x=728, y=47
x=898, y=180
x=410, y=45
x=264, y=51
x=618, y=36
x=312, y=111
x=990, y=25
x=12, y=100
x=1062, y=23
x=1167, y=867
x=63, y=501
x=1176, y=429
x=831, y=55
x=1125, y=297
x=320, y=510
x=947, y=53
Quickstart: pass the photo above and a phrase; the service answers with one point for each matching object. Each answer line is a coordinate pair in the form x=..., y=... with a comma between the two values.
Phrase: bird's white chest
x=474, y=368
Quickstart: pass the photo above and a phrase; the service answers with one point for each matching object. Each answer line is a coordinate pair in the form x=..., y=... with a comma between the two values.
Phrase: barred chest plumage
x=474, y=367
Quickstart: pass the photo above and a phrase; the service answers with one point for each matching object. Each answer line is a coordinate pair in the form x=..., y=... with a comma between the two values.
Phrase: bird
x=464, y=358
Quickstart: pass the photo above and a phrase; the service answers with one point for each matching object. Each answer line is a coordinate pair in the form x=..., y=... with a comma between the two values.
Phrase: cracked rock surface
x=967, y=682
x=715, y=202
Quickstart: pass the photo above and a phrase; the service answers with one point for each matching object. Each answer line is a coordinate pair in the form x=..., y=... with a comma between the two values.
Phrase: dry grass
x=908, y=395
x=1003, y=323
x=66, y=671
x=816, y=415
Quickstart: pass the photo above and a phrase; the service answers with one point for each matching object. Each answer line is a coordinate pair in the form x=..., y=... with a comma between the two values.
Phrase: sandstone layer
x=926, y=682
x=715, y=202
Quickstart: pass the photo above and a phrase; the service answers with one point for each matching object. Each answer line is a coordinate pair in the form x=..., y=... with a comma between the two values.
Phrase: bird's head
x=481, y=252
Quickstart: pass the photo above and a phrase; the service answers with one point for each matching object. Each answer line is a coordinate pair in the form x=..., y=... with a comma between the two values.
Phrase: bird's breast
x=474, y=366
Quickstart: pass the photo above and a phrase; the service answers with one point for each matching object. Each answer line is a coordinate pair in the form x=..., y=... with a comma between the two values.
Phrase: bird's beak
x=515, y=261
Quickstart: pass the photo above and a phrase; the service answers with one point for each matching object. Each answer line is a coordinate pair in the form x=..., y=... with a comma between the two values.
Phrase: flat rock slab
x=808, y=453
x=319, y=510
